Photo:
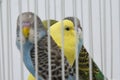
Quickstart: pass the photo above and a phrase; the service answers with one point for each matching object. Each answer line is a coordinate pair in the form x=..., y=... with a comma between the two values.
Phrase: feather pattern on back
x=55, y=60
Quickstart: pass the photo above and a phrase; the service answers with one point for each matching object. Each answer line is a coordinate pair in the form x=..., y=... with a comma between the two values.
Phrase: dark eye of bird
x=67, y=28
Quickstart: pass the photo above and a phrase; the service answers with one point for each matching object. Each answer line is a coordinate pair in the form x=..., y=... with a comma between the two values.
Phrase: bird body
x=27, y=26
x=83, y=59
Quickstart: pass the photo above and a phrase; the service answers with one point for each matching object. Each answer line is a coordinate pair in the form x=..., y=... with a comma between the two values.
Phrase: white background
x=86, y=31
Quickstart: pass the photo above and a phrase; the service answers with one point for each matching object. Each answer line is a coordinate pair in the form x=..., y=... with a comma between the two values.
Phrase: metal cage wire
x=105, y=17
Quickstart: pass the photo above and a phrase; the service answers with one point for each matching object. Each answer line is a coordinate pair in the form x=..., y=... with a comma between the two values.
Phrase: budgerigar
x=27, y=30
x=42, y=46
x=84, y=60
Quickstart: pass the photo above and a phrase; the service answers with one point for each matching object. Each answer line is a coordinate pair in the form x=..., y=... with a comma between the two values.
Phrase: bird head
x=26, y=27
x=76, y=23
x=65, y=30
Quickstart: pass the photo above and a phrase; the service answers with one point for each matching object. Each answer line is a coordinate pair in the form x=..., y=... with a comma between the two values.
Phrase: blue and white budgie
x=29, y=49
x=27, y=26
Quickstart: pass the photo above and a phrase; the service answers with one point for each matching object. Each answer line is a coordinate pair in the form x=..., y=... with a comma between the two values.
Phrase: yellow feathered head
x=63, y=32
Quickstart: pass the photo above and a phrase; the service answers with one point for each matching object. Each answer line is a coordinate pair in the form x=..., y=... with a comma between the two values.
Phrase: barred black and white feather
x=56, y=60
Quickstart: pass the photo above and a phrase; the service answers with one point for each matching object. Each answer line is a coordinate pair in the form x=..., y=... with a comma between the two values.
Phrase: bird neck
x=26, y=56
x=26, y=47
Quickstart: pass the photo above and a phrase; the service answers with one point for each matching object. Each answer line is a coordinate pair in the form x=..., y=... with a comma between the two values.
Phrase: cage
x=100, y=22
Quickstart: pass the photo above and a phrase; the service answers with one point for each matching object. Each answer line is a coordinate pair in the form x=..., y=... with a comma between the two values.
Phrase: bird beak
x=25, y=31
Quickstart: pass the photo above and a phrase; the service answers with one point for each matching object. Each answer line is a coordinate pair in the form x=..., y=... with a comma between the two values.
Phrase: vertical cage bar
x=101, y=38
x=45, y=9
x=35, y=39
x=90, y=39
x=0, y=52
x=55, y=9
x=81, y=22
x=49, y=41
x=119, y=31
x=62, y=50
x=11, y=56
x=76, y=51
x=81, y=3
x=104, y=39
x=0, y=59
x=2, y=43
x=21, y=46
x=28, y=5
x=9, y=33
x=111, y=26
x=8, y=44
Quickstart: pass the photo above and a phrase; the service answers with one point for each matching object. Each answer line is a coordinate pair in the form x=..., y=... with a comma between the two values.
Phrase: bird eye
x=67, y=28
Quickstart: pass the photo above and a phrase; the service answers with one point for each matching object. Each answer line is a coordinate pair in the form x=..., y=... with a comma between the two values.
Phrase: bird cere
x=71, y=38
